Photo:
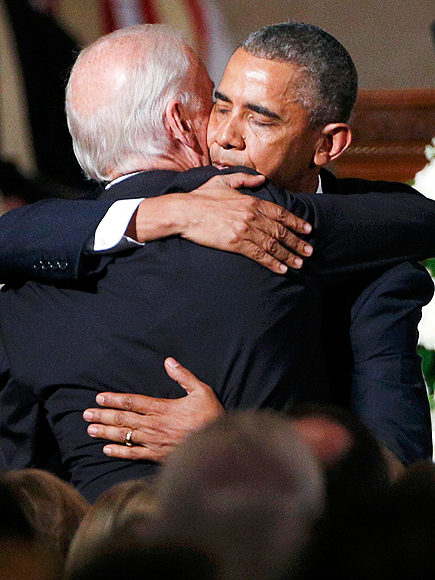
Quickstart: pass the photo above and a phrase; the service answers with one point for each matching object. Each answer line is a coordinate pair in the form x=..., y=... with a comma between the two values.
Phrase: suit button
x=63, y=265
x=45, y=266
x=38, y=265
x=55, y=265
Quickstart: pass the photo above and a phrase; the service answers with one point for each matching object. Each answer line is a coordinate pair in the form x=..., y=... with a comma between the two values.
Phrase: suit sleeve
x=21, y=418
x=26, y=439
x=47, y=240
x=358, y=233
x=388, y=390
x=351, y=234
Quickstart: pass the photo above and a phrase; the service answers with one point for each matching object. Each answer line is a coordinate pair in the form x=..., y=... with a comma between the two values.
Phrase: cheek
x=267, y=155
x=211, y=127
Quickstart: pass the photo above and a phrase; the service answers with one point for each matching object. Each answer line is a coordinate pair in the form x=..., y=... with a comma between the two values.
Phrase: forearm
x=218, y=216
x=159, y=217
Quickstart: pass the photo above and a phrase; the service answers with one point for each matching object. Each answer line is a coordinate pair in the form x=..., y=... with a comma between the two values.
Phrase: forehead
x=249, y=78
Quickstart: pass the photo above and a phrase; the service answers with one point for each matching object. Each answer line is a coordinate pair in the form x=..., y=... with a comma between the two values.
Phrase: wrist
x=158, y=217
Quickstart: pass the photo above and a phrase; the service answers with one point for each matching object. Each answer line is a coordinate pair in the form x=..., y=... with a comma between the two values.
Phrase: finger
x=137, y=403
x=135, y=453
x=281, y=215
x=141, y=436
x=118, y=418
x=276, y=240
x=183, y=376
x=237, y=180
x=116, y=434
x=138, y=450
x=259, y=255
x=292, y=241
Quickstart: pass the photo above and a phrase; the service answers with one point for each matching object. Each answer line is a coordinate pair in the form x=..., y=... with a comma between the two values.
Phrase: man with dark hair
x=329, y=83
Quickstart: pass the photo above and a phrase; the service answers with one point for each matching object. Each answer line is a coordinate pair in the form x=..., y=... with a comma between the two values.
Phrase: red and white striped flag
x=201, y=21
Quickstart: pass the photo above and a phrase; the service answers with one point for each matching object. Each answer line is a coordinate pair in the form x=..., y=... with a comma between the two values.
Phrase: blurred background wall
x=390, y=41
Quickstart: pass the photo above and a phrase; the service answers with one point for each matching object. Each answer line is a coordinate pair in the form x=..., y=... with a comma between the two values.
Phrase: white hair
x=114, y=136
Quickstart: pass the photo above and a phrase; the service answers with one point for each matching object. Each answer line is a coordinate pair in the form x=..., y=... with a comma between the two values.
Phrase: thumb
x=237, y=180
x=182, y=376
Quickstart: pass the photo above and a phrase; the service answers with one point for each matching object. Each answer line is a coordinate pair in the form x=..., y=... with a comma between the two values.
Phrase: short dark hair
x=329, y=82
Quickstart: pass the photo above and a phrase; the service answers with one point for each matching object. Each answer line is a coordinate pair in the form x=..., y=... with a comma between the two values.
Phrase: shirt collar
x=319, y=186
x=121, y=178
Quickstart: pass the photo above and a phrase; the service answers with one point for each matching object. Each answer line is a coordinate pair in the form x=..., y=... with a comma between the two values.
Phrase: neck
x=172, y=161
x=304, y=183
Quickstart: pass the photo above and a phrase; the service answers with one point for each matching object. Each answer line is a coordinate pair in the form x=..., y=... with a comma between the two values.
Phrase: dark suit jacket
x=370, y=343
x=228, y=319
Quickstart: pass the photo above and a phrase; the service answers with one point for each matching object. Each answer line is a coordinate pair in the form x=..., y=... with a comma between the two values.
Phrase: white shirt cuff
x=110, y=233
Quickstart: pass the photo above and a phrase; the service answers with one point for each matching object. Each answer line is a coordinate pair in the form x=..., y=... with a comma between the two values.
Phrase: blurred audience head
x=246, y=490
x=23, y=555
x=114, y=511
x=53, y=508
x=352, y=458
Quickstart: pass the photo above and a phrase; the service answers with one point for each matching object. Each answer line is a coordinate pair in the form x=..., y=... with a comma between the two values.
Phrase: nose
x=229, y=134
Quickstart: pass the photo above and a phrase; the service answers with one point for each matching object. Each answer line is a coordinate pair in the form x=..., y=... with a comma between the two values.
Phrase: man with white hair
x=233, y=323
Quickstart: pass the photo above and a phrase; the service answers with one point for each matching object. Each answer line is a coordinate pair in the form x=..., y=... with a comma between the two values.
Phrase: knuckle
x=257, y=253
x=240, y=228
x=281, y=214
x=292, y=241
x=158, y=407
x=281, y=233
x=251, y=205
x=299, y=244
x=246, y=213
x=128, y=403
x=298, y=222
x=272, y=246
x=119, y=418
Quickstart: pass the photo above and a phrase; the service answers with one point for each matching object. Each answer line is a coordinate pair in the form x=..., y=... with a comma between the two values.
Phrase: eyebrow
x=256, y=108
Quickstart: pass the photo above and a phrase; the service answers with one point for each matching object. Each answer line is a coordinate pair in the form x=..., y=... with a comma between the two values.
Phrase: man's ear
x=180, y=124
x=334, y=140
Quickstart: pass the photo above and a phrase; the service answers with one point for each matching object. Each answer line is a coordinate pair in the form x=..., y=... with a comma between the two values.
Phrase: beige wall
x=390, y=40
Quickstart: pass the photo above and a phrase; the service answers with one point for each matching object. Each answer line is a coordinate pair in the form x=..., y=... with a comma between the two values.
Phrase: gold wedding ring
x=127, y=438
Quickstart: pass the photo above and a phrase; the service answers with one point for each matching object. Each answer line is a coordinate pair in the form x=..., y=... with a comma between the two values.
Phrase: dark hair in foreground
x=329, y=81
